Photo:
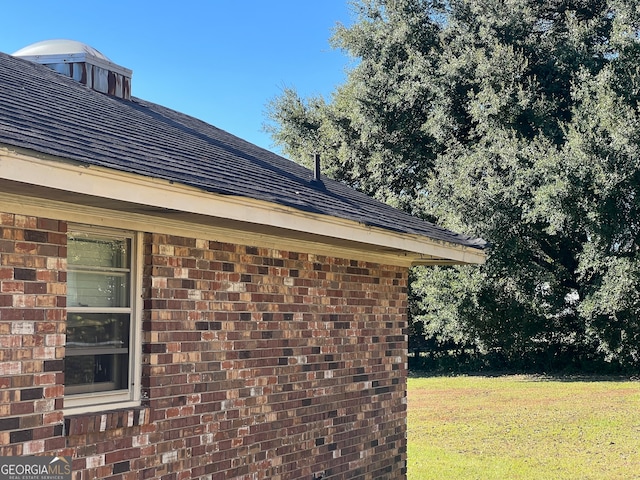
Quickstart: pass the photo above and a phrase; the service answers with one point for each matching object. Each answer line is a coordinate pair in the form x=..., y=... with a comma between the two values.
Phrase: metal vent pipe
x=316, y=173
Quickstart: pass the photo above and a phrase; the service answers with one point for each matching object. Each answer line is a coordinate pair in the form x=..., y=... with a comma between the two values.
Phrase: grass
x=523, y=428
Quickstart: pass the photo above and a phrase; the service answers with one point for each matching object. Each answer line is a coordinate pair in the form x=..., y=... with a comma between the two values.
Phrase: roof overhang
x=32, y=182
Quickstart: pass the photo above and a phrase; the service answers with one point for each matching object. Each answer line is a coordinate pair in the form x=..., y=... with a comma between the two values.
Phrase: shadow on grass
x=533, y=377
x=534, y=365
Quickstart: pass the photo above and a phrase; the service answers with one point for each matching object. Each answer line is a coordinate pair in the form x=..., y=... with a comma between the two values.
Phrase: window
x=102, y=318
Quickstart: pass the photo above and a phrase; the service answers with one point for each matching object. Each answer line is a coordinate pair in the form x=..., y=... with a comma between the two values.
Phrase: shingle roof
x=49, y=113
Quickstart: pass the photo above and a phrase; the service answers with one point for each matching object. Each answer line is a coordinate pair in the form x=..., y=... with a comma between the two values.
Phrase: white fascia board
x=140, y=190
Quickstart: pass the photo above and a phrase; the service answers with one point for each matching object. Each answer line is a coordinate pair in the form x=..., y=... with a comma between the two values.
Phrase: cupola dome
x=81, y=62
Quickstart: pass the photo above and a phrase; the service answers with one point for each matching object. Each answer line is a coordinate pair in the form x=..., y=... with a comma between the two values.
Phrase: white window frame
x=130, y=397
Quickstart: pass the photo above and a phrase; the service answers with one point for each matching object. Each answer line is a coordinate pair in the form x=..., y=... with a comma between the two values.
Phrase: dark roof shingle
x=49, y=113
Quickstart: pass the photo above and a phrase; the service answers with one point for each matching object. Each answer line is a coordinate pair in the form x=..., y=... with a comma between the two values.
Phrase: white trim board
x=146, y=204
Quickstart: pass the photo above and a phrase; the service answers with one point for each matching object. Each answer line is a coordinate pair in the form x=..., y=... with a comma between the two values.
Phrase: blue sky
x=219, y=60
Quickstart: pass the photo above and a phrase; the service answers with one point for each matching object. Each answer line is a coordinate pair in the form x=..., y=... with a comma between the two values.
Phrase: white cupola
x=81, y=62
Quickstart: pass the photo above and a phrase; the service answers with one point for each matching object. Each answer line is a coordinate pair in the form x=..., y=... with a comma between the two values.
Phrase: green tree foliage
x=514, y=120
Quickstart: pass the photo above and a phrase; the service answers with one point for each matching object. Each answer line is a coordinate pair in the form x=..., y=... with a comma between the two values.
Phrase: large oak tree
x=514, y=120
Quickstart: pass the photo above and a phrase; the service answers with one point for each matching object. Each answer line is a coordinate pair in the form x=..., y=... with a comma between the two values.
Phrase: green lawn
x=523, y=427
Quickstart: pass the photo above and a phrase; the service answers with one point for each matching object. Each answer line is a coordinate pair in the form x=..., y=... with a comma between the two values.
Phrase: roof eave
x=67, y=181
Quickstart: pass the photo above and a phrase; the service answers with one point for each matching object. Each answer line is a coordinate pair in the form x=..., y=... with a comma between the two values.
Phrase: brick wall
x=257, y=363
x=32, y=333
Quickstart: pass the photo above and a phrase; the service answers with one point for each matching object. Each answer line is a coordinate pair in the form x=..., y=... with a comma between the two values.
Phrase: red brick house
x=176, y=303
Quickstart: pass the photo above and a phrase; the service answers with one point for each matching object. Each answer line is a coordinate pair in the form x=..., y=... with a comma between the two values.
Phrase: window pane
x=98, y=252
x=97, y=330
x=95, y=373
x=99, y=313
x=97, y=289
x=97, y=353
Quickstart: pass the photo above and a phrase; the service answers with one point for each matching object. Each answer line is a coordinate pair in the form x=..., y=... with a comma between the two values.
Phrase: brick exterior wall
x=32, y=334
x=256, y=363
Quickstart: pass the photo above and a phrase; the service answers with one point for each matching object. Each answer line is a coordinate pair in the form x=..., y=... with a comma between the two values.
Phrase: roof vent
x=81, y=62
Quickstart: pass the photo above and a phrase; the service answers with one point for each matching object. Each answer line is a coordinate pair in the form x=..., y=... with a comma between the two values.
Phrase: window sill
x=82, y=423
